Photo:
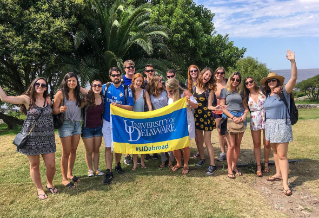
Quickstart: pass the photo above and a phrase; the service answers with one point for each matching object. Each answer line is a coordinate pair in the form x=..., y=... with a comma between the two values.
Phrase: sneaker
x=222, y=157
x=118, y=168
x=98, y=172
x=148, y=157
x=128, y=160
x=211, y=170
x=90, y=173
x=155, y=156
x=108, y=177
x=201, y=162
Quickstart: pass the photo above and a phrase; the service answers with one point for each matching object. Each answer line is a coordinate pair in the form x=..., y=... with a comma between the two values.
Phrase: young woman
x=278, y=129
x=69, y=97
x=220, y=84
x=159, y=99
x=237, y=111
x=41, y=140
x=204, y=121
x=141, y=97
x=254, y=99
x=92, y=127
x=192, y=74
x=175, y=92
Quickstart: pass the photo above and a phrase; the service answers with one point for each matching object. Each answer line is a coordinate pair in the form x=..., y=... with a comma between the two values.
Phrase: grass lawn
x=155, y=192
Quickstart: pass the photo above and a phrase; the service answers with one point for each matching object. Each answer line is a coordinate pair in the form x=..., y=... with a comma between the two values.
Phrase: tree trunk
x=12, y=122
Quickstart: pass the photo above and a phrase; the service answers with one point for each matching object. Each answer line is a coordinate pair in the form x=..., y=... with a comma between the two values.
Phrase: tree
x=310, y=87
x=250, y=67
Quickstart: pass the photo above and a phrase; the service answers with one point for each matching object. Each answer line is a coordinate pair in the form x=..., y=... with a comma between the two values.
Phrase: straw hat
x=271, y=76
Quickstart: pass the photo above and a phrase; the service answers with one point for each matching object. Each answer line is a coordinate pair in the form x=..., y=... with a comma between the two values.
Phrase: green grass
x=155, y=192
x=307, y=102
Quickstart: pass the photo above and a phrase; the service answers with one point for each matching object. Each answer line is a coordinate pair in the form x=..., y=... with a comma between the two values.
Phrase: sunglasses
x=171, y=91
x=220, y=73
x=168, y=77
x=147, y=71
x=271, y=80
x=130, y=67
x=250, y=81
x=237, y=80
x=40, y=84
x=193, y=71
x=97, y=85
x=115, y=75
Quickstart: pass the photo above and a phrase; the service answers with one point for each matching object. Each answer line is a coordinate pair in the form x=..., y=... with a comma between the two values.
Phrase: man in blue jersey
x=115, y=95
x=129, y=68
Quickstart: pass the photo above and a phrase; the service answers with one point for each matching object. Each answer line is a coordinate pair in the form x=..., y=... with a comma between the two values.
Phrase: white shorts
x=107, y=134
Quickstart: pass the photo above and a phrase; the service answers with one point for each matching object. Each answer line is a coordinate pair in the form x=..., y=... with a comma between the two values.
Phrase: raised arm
x=148, y=101
x=21, y=99
x=292, y=82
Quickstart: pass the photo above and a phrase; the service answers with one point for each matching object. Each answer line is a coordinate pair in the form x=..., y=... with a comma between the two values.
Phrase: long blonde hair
x=174, y=85
x=239, y=86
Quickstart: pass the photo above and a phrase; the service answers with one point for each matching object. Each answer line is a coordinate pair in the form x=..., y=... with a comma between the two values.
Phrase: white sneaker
x=98, y=172
x=90, y=173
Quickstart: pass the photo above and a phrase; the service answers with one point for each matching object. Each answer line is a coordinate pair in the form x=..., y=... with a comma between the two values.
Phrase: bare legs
x=256, y=135
x=135, y=161
x=178, y=157
x=205, y=136
x=221, y=138
x=49, y=160
x=281, y=162
x=92, y=147
x=233, y=151
x=69, y=147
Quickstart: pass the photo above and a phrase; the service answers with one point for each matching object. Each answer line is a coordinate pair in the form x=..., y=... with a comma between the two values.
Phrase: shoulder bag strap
x=36, y=120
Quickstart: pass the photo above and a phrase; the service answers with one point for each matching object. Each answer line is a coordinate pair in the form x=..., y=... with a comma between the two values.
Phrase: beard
x=116, y=81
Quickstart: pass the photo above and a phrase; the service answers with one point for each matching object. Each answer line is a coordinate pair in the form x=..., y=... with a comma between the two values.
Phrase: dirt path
x=300, y=204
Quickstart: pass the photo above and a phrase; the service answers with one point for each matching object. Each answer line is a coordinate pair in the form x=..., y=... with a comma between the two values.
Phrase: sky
x=267, y=28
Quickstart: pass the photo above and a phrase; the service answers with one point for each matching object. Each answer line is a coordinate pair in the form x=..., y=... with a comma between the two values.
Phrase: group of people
x=212, y=102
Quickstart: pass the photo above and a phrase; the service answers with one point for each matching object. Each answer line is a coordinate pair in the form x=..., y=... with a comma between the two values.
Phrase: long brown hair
x=133, y=82
x=210, y=85
x=189, y=78
x=65, y=89
x=31, y=93
x=90, y=97
x=246, y=91
x=152, y=87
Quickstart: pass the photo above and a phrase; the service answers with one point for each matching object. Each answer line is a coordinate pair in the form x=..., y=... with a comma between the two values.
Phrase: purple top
x=93, y=116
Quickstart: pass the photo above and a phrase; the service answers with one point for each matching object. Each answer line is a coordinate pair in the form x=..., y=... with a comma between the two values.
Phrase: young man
x=115, y=95
x=129, y=68
x=171, y=74
x=149, y=72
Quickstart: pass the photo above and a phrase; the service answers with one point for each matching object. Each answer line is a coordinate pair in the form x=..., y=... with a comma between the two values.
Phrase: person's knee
x=34, y=166
x=257, y=145
x=282, y=156
x=50, y=166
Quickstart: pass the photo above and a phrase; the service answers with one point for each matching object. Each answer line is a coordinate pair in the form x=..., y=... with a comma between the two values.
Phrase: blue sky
x=268, y=28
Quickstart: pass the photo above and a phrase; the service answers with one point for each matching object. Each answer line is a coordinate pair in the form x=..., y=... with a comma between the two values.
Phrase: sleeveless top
x=73, y=113
x=139, y=103
x=92, y=116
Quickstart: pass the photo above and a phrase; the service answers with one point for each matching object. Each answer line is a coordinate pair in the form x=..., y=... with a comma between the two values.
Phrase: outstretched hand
x=290, y=55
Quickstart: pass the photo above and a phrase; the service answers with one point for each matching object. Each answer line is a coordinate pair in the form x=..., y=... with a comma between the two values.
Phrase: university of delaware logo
x=130, y=130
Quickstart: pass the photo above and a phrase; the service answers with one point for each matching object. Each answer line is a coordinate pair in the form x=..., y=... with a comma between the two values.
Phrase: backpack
x=293, y=111
x=107, y=85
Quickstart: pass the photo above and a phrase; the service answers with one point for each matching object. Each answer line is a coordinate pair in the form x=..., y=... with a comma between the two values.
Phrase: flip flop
x=175, y=168
x=75, y=179
x=287, y=192
x=144, y=167
x=259, y=173
x=238, y=173
x=273, y=178
x=185, y=170
x=170, y=166
x=231, y=176
x=53, y=190
x=70, y=185
x=42, y=195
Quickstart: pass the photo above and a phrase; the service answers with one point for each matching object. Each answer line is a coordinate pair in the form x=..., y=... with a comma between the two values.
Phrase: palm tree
x=109, y=32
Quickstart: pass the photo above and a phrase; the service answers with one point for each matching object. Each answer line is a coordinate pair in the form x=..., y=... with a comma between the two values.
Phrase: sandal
x=196, y=155
x=143, y=166
x=175, y=168
x=134, y=168
x=42, y=196
x=266, y=170
x=238, y=173
x=287, y=192
x=163, y=164
x=53, y=190
x=170, y=166
x=70, y=185
x=273, y=178
x=231, y=176
x=185, y=170
x=259, y=173
x=75, y=179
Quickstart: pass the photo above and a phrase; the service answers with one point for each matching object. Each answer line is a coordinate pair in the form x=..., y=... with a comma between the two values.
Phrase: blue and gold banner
x=155, y=131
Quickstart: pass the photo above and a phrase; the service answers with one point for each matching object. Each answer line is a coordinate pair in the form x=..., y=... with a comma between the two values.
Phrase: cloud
x=268, y=18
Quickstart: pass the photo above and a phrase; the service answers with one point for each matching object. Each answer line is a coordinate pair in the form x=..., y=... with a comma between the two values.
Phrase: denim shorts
x=91, y=132
x=70, y=128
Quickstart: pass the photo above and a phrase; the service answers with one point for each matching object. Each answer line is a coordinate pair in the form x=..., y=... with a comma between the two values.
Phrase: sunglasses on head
x=40, y=84
x=130, y=67
x=221, y=73
x=250, y=81
x=147, y=71
x=97, y=85
x=115, y=75
x=193, y=71
x=271, y=80
x=237, y=80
